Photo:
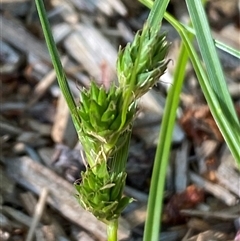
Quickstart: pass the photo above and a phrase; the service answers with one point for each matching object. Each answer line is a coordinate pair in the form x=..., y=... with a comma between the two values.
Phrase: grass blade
x=217, y=43
x=155, y=202
x=61, y=77
x=161, y=159
x=227, y=49
x=157, y=12
x=229, y=130
x=210, y=58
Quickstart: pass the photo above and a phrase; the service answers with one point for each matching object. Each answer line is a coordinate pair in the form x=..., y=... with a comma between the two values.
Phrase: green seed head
x=102, y=193
x=142, y=62
x=101, y=123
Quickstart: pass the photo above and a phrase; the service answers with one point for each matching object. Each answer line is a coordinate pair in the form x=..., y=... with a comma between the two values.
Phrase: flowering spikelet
x=101, y=126
x=102, y=193
x=142, y=62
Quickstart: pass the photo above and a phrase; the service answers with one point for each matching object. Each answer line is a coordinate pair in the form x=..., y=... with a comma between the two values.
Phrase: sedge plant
x=104, y=117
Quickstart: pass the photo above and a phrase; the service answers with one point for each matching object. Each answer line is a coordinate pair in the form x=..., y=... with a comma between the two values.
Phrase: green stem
x=112, y=229
x=118, y=162
x=156, y=14
x=155, y=204
x=61, y=77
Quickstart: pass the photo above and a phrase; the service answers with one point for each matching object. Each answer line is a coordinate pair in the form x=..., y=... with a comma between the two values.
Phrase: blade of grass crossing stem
x=220, y=45
x=210, y=58
x=227, y=49
x=56, y=61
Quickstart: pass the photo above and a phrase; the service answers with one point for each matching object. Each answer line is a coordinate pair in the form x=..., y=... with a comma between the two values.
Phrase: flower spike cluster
x=101, y=193
x=142, y=62
x=101, y=126
x=106, y=119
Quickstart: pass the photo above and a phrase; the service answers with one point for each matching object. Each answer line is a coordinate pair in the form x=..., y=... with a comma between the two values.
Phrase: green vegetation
x=103, y=119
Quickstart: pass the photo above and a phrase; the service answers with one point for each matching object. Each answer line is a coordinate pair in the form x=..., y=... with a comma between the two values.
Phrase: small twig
x=215, y=189
x=38, y=213
x=209, y=214
x=187, y=235
x=17, y=215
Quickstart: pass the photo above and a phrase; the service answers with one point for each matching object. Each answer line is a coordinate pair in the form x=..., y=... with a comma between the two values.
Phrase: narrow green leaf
x=230, y=131
x=227, y=49
x=211, y=60
x=57, y=63
x=218, y=44
x=156, y=14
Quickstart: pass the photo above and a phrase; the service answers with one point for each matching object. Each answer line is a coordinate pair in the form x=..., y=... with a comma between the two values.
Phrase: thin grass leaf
x=229, y=132
x=156, y=14
x=220, y=45
x=155, y=201
x=161, y=159
x=61, y=77
x=222, y=107
x=210, y=58
x=227, y=49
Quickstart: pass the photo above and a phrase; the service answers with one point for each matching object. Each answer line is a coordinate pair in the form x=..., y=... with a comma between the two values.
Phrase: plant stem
x=155, y=201
x=61, y=77
x=156, y=14
x=112, y=229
